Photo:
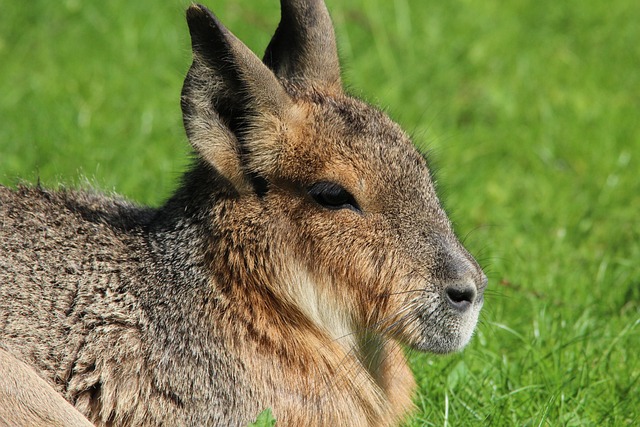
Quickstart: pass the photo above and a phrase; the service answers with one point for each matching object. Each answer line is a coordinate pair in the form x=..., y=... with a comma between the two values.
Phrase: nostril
x=460, y=297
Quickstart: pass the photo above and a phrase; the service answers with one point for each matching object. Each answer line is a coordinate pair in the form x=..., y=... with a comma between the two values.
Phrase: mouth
x=439, y=327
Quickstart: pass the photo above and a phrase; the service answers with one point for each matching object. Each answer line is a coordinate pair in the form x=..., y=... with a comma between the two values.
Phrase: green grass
x=531, y=110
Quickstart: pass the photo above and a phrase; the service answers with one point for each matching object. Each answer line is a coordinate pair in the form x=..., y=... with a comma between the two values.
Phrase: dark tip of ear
x=198, y=14
x=203, y=24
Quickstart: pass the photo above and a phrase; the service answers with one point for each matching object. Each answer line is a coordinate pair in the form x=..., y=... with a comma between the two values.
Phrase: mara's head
x=329, y=206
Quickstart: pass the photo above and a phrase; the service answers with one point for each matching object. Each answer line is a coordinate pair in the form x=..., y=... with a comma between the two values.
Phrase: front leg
x=27, y=400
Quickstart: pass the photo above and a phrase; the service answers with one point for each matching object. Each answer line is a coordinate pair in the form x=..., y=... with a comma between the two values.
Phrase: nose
x=464, y=281
x=460, y=296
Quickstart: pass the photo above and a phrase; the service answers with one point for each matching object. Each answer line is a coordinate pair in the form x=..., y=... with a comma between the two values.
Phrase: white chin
x=454, y=337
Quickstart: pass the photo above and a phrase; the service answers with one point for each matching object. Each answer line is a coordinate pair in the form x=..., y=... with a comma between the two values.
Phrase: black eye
x=332, y=196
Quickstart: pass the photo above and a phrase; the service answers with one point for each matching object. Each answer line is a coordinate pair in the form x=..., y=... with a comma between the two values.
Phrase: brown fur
x=245, y=291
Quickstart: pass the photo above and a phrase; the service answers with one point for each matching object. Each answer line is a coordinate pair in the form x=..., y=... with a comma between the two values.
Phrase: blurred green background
x=531, y=110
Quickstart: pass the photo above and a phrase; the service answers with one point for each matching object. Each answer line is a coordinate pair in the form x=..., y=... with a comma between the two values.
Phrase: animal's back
x=66, y=261
x=104, y=300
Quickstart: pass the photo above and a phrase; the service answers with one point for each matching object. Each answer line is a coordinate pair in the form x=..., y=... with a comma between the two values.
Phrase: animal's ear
x=303, y=48
x=228, y=95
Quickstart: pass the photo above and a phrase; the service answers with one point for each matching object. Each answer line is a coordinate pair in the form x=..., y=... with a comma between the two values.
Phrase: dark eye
x=332, y=196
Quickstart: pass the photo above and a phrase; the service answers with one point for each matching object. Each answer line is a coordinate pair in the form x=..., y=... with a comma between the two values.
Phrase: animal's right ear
x=228, y=96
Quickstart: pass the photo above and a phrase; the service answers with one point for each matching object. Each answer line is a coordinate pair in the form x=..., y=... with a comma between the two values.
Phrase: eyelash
x=332, y=196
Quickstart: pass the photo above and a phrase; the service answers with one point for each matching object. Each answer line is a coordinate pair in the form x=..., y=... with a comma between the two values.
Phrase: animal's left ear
x=303, y=48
